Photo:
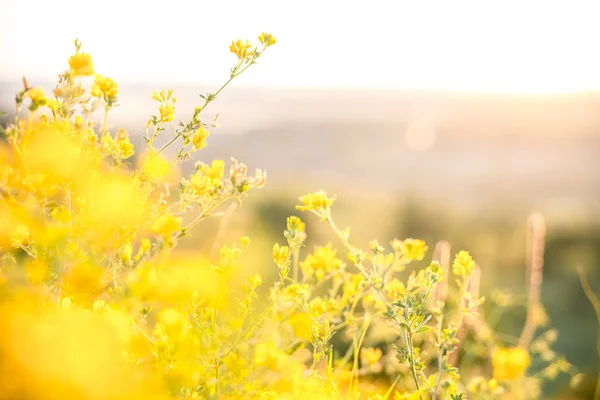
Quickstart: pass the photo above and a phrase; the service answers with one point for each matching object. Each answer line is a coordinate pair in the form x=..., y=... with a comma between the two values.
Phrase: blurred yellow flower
x=370, y=355
x=19, y=236
x=281, y=255
x=37, y=96
x=267, y=39
x=510, y=363
x=414, y=249
x=266, y=354
x=174, y=323
x=166, y=224
x=320, y=262
x=81, y=64
x=82, y=279
x=301, y=323
x=156, y=168
x=317, y=201
x=111, y=201
x=255, y=280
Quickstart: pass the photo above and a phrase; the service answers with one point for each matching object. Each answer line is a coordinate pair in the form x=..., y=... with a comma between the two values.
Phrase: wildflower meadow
x=99, y=301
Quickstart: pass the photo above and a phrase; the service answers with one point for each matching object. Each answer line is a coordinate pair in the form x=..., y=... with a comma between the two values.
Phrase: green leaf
x=423, y=329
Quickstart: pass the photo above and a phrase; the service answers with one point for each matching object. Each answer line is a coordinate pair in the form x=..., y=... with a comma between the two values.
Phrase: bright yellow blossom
x=241, y=49
x=38, y=98
x=81, y=64
x=281, y=255
x=104, y=86
x=199, y=138
x=167, y=112
x=463, y=264
x=120, y=148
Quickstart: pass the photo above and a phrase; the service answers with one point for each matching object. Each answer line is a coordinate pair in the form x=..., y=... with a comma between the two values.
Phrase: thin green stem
x=153, y=155
x=104, y=121
x=239, y=338
x=409, y=343
x=204, y=214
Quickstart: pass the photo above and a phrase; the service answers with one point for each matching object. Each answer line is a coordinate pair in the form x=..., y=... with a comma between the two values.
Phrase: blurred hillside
x=535, y=152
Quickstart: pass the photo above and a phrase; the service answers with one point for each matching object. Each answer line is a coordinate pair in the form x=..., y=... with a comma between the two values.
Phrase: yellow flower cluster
x=81, y=64
x=321, y=262
x=105, y=87
x=463, y=264
x=317, y=201
x=119, y=147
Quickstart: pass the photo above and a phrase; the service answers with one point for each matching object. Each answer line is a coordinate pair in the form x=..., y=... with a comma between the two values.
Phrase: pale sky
x=497, y=46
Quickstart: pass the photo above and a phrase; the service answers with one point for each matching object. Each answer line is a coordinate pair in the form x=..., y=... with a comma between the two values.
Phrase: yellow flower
x=281, y=255
x=167, y=112
x=244, y=242
x=37, y=271
x=19, y=236
x=414, y=249
x=294, y=224
x=463, y=264
x=156, y=168
x=37, y=95
x=317, y=307
x=81, y=64
x=255, y=280
x=104, y=86
x=267, y=39
x=166, y=224
x=199, y=138
x=216, y=170
x=317, y=201
x=240, y=49
x=370, y=355
x=395, y=288
x=207, y=178
x=120, y=148
x=52, y=104
x=321, y=262
x=510, y=363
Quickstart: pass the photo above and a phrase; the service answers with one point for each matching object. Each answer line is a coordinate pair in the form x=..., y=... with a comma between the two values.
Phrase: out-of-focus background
x=442, y=121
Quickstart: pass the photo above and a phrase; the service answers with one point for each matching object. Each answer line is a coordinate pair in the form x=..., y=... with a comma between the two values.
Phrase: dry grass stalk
x=536, y=234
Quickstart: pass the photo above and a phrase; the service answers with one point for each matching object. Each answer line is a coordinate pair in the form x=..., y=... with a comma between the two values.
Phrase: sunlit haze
x=503, y=46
